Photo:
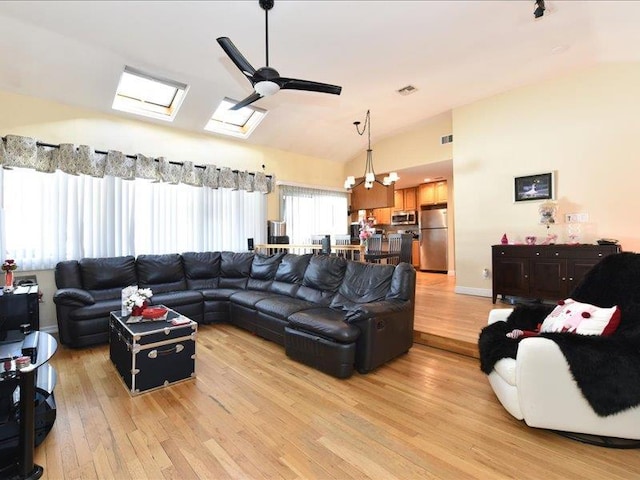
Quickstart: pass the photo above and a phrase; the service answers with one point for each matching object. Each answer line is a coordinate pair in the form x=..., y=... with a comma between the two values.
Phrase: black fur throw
x=606, y=369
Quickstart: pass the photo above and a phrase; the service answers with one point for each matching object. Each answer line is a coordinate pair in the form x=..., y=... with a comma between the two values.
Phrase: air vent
x=409, y=89
x=446, y=139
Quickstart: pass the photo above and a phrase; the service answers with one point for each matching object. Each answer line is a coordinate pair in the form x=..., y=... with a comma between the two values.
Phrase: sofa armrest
x=374, y=309
x=73, y=297
x=499, y=315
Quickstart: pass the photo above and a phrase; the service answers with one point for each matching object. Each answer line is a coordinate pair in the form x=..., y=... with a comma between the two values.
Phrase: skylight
x=144, y=94
x=237, y=123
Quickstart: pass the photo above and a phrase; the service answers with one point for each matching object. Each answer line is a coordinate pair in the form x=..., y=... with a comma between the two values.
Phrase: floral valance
x=27, y=152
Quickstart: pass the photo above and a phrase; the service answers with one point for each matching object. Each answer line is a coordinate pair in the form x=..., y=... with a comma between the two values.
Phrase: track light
x=539, y=11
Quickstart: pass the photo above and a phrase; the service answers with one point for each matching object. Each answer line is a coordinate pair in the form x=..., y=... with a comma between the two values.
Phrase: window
x=150, y=96
x=54, y=217
x=310, y=211
x=237, y=123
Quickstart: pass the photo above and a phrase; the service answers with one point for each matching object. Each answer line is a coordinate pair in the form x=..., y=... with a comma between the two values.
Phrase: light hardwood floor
x=252, y=413
x=447, y=320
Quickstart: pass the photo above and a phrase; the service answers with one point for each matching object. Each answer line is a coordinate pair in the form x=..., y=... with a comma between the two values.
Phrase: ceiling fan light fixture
x=266, y=88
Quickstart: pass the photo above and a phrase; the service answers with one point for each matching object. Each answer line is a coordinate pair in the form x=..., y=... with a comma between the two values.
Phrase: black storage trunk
x=154, y=354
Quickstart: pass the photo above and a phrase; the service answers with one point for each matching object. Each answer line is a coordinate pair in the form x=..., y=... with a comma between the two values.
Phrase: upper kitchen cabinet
x=432, y=193
x=410, y=199
x=405, y=199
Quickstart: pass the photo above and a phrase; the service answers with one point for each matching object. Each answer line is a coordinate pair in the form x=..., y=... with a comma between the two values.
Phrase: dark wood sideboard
x=543, y=272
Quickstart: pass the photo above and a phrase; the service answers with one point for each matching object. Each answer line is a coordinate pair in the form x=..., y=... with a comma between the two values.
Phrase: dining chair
x=395, y=242
x=406, y=248
x=375, y=242
x=343, y=240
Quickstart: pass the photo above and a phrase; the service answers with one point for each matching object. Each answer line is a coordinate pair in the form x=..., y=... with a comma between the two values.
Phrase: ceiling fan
x=266, y=80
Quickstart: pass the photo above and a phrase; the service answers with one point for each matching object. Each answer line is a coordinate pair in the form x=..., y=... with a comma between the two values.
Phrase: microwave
x=404, y=218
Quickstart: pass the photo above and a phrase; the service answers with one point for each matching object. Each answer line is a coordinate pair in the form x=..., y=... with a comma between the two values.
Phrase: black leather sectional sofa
x=328, y=312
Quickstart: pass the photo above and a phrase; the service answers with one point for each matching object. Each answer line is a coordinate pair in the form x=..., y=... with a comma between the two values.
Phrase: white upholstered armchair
x=538, y=387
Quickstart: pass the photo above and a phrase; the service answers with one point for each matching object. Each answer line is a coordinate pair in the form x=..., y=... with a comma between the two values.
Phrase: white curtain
x=310, y=211
x=49, y=217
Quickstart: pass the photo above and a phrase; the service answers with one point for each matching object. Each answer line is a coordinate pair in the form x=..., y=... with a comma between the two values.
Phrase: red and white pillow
x=581, y=318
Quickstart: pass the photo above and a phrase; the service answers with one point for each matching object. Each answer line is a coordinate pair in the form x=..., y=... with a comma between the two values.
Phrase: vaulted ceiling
x=452, y=52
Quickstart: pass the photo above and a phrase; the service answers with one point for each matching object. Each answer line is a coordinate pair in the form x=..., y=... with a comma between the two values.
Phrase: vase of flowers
x=8, y=267
x=138, y=301
x=366, y=230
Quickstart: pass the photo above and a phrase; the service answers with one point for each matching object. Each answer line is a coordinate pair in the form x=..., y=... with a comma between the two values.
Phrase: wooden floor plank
x=253, y=413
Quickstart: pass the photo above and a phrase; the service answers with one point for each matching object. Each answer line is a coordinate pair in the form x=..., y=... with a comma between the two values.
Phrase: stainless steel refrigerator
x=433, y=239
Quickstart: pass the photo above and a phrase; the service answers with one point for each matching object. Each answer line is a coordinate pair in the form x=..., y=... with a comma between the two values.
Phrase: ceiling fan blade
x=247, y=101
x=296, y=84
x=236, y=57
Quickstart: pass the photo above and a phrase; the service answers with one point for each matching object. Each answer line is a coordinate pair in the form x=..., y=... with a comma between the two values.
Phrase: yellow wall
x=55, y=123
x=584, y=127
x=418, y=146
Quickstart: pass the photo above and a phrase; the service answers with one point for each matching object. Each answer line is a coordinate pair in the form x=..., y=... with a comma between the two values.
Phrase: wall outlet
x=576, y=217
x=485, y=273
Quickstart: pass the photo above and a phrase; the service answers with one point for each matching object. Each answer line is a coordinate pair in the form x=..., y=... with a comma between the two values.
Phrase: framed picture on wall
x=534, y=187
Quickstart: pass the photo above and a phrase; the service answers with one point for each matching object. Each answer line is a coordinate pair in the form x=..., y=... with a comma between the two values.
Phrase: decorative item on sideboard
x=8, y=268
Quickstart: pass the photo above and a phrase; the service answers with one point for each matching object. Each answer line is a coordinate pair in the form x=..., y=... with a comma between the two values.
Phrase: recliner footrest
x=330, y=357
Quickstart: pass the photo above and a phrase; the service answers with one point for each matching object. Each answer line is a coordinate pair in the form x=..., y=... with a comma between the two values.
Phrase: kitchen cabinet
x=404, y=200
x=426, y=194
x=543, y=272
x=382, y=216
x=377, y=197
x=432, y=193
x=441, y=192
x=398, y=200
x=410, y=203
x=415, y=253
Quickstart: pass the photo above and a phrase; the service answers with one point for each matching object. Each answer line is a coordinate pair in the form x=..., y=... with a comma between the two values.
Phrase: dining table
x=375, y=256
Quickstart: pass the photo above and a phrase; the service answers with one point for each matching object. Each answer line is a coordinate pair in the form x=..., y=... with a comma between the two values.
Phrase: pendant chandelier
x=369, y=177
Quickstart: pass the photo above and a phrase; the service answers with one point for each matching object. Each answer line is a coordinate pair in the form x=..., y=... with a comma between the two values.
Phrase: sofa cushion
x=219, y=293
x=325, y=273
x=282, y=307
x=108, y=272
x=264, y=267
x=581, y=318
x=248, y=298
x=325, y=322
x=292, y=267
x=101, y=309
x=403, y=283
x=161, y=273
x=173, y=299
x=363, y=283
x=67, y=275
x=236, y=265
x=201, y=265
